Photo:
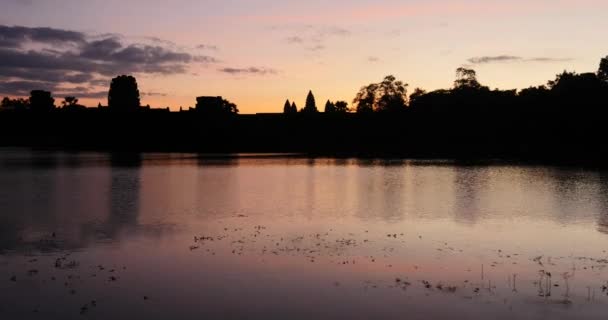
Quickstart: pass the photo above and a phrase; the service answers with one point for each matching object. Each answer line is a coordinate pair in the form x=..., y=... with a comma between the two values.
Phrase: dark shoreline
x=408, y=135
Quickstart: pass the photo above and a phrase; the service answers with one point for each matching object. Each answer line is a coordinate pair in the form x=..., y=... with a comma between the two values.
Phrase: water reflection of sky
x=142, y=212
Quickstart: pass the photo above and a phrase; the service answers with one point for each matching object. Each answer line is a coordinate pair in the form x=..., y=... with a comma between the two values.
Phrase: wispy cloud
x=294, y=39
x=510, y=58
x=248, y=71
x=333, y=31
x=317, y=47
x=313, y=38
x=548, y=59
x=207, y=47
x=494, y=59
x=154, y=94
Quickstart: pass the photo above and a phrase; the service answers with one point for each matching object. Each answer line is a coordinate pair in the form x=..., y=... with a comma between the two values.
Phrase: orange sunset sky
x=259, y=53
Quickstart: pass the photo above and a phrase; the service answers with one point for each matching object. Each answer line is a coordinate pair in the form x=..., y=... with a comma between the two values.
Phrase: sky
x=258, y=53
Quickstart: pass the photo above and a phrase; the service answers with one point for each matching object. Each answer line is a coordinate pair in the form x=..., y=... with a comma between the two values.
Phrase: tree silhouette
x=366, y=98
x=534, y=94
x=41, y=101
x=229, y=107
x=330, y=107
x=69, y=102
x=584, y=91
x=17, y=104
x=294, y=108
x=124, y=94
x=6, y=102
x=466, y=78
x=388, y=95
x=311, y=105
x=393, y=95
x=215, y=106
x=341, y=107
x=418, y=92
x=602, y=72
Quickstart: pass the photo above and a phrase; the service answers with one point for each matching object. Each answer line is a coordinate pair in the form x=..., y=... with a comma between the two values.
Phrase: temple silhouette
x=562, y=121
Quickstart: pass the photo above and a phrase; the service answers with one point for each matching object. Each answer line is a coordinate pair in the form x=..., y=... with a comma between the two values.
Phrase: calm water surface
x=158, y=236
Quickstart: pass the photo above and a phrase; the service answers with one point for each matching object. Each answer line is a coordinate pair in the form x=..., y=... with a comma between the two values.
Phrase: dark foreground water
x=157, y=236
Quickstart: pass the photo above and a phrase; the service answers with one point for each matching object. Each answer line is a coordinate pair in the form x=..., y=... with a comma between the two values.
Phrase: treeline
x=561, y=121
x=576, y=92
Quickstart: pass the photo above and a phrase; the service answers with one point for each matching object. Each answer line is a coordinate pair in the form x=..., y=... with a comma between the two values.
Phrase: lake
x=178, y=236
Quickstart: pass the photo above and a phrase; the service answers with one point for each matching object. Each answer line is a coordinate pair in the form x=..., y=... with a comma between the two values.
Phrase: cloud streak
x=248, y=71
x=547, y=59
x=313, y=38
x=207, y=47
x=511, y=59
x=494, y=59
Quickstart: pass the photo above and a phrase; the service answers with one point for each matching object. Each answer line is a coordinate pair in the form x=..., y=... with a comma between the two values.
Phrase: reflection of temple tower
x=122, y=198
x=124, y=191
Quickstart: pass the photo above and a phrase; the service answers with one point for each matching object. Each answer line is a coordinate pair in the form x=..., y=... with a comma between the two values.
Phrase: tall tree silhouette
x=294, y=108
x=393, y=95
x=311, y=105
x=330, y=107
x=124, y=94
x=41, y=101
x=341, y=107
x=602, y=72
x=365, y=100
x=466, y=78
x=388, y=95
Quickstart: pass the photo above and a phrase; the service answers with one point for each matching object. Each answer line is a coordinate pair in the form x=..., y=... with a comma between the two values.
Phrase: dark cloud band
x=46, y=58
